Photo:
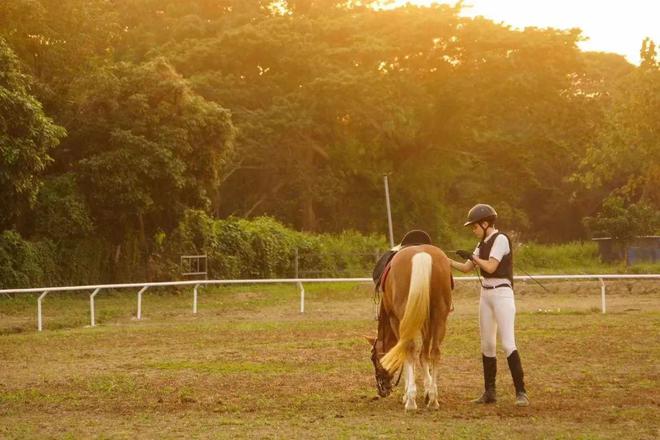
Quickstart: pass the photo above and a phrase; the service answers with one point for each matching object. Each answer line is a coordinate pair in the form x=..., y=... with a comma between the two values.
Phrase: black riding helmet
x=480, y=212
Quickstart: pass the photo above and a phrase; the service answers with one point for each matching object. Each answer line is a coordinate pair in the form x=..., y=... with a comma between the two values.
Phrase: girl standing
x=497, y=310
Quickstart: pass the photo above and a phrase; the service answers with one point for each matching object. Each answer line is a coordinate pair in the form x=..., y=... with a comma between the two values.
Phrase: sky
x=617, y=26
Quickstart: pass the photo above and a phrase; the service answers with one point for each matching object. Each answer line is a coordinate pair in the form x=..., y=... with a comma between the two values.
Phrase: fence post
x=603, y=307
x=195, y=299
x=39, y=320
x=139, y=304
x=302, y=297
x=91, y=306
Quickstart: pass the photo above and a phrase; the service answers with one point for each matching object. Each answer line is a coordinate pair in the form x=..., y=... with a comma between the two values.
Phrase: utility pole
x=389, y=211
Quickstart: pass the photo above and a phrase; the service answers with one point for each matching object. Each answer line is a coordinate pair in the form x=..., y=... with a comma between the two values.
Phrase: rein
x=381, y=373
x=398, y=378
x=376, y=360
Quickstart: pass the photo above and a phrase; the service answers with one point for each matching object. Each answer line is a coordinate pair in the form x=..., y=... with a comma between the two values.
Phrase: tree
x=623, y=164
x=326, y=96
x=144, y=147
x=624, y=221
x=26, y=137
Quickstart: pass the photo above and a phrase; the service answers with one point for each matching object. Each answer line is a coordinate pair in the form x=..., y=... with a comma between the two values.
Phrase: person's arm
x=463, y=267
x=489, y=265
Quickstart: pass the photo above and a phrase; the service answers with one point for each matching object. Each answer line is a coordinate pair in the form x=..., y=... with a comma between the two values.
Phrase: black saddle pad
x=381, y=265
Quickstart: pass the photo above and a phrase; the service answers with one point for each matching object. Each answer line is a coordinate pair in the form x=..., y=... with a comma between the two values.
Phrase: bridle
x=383, y=377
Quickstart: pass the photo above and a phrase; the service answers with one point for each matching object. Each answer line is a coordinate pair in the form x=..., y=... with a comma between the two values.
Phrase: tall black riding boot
x=490, y=372
x=517, y=374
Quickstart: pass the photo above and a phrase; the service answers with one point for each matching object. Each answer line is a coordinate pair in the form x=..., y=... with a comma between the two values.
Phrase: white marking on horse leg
x=404, y=397
x=433, y=393
x=411, y=387
x=428, y=380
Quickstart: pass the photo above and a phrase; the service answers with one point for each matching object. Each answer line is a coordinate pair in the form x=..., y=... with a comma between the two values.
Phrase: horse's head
x=383, y=378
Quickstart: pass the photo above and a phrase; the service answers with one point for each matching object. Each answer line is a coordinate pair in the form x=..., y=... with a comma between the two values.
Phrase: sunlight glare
x=617, y=27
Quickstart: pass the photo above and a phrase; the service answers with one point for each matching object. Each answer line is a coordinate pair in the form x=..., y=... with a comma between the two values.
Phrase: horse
x=413, y=321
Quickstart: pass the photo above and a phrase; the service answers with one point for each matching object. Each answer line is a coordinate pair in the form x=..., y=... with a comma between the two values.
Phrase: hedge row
x=240, y=248
x=264, y=248
x=236, y=248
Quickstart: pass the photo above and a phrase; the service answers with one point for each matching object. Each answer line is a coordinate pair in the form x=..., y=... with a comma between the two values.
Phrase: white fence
x=298, y=281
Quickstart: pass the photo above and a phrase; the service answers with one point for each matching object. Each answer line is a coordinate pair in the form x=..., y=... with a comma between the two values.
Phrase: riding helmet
x=480, y=212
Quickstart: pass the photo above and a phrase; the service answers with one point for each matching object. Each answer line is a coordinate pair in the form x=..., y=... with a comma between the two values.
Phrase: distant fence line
x=297, y=281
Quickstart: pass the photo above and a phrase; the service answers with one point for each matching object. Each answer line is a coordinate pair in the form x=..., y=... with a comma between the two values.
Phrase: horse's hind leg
x=409, y=373
x=434, y=361
x=429, y=370
x=433, y=393
x=411, y=387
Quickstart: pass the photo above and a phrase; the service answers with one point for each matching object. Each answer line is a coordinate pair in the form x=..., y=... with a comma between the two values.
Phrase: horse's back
x=399, y=278
x=441, y=266
x=417, y=300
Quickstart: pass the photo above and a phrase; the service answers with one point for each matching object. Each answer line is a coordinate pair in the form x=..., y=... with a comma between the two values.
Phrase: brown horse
x=413, y=321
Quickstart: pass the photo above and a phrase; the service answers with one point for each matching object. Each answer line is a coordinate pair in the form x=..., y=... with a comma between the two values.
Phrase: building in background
x=645, y=249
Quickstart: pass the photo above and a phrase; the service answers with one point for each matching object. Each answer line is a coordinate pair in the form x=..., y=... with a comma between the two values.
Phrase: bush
x=573, y=257
x=265, y=248
x=60, y=212
x=24, y=263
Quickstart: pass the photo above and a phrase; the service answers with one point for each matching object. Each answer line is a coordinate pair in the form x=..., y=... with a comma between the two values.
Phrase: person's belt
x=495, y=287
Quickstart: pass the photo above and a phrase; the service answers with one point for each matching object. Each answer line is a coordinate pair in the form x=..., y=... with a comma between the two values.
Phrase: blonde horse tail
x=416, y=313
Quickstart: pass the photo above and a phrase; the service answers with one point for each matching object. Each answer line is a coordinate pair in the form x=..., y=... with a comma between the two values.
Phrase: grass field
x=249, y=365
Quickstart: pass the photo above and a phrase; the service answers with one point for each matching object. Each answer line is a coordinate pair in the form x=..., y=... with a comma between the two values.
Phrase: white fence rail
x=297, y=281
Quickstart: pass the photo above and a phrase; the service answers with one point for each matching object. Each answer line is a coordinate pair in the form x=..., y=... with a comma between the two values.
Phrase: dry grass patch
x=250, y=366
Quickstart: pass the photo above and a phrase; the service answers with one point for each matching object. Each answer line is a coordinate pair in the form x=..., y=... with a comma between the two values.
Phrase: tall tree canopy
x=296, y=109
x=144, y=146
x=27, y=136
x=622, y=165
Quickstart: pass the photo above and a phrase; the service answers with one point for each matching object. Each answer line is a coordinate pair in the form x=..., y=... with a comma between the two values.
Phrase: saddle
x=412, y=238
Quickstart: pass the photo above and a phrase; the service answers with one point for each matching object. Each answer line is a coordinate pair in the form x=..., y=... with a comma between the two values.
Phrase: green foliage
x=179, y=113
x=145, y=147
x=60, y=211
x=621, y=167
x=573, y=257
x=264, y=248
x=26, y=136
x=344, y=97
x=618, y=220
x=24, y=263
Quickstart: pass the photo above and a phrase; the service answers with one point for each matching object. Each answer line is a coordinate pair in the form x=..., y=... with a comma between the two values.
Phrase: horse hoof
x=433, y=405
x=411, y=405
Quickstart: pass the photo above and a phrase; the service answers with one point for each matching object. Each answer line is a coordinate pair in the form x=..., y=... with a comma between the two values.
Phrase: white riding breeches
x=497, y=315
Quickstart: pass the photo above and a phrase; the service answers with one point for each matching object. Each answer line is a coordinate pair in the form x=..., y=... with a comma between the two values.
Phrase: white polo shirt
x=498, y=251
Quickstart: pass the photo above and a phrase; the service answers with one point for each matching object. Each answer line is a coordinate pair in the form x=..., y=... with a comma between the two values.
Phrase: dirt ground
x=249, y=365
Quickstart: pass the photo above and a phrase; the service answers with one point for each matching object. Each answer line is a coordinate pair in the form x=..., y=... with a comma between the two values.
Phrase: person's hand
x=467, y=255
